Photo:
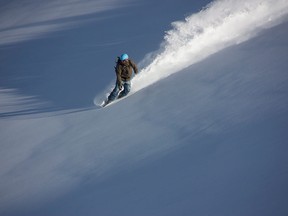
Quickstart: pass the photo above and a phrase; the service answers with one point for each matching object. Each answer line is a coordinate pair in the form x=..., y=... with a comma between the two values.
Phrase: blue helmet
x=124, y=57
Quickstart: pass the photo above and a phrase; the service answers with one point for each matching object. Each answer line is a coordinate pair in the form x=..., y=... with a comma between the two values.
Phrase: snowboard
x=108, y=103
x=105, y=103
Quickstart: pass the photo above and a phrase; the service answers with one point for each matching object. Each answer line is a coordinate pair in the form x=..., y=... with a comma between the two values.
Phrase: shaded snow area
x=203, y=132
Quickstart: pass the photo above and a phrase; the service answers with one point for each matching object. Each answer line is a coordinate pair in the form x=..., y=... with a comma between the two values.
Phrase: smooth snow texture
x=221, y=145
x=210, y=140
x=32, y=19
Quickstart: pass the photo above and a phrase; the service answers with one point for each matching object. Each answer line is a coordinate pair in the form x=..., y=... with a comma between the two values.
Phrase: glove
x=119, y=84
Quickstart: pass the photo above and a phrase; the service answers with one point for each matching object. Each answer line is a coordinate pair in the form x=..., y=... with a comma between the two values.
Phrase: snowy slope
x=207, y=140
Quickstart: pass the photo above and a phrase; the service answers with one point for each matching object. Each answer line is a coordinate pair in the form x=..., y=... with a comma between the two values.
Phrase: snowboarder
x=123, y=69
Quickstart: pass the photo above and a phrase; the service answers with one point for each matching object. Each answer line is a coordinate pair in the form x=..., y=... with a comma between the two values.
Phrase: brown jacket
x=124, y=70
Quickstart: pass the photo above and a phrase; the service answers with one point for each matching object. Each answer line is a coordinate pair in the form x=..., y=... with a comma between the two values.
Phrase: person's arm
x=118, y=76
x=134, y=66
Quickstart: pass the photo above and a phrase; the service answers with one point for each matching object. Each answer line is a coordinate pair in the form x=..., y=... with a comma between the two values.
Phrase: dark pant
x=118, y=93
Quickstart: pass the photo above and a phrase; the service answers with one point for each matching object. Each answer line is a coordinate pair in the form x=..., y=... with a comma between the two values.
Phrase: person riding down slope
x=124, y=70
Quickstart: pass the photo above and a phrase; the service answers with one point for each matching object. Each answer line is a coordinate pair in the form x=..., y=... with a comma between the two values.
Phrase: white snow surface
x=203, y=132
x=18, y=24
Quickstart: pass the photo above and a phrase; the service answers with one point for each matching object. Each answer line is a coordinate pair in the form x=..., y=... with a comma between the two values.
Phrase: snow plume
x=221, y=24
x=22, y=20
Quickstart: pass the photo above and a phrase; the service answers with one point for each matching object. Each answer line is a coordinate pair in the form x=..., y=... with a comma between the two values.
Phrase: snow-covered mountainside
x=203, y=132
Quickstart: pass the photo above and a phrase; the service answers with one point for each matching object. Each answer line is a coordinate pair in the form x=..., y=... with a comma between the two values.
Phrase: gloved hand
x=119, y=84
